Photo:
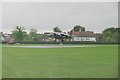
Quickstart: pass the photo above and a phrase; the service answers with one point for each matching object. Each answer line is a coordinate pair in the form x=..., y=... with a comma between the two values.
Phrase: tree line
x=109, y=35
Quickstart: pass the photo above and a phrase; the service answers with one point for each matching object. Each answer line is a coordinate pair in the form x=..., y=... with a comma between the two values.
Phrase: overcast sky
x=43, y=16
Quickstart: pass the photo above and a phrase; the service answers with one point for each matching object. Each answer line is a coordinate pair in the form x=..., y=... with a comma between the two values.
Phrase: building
x=6, y=38
x=84, y=36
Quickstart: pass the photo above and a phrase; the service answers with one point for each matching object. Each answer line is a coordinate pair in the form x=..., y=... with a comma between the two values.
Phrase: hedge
x=71, y=42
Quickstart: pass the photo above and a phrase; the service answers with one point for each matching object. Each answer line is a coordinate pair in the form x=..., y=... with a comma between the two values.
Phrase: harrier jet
x=58, y=35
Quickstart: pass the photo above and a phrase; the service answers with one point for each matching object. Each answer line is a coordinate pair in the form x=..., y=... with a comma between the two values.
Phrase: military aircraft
x=58, y=35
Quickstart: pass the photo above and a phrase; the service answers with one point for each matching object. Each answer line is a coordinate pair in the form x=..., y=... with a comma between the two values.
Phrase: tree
x=57, y=29
x=19, y=33
x=78, y=28
x=27, y=38
x=110, y=35
x=33, y=32
x=34, y=35
x=118, y=34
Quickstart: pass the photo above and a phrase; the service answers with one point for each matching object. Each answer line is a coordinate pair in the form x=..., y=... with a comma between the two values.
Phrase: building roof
x=84, y=34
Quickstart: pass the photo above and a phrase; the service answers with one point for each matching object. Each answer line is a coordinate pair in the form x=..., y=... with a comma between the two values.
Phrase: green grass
x=88, y=62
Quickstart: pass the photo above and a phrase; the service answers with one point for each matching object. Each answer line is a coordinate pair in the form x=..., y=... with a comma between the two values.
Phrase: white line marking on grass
x=61, y=46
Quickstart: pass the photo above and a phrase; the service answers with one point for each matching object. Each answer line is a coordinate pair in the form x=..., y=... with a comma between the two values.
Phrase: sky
x=44, y=16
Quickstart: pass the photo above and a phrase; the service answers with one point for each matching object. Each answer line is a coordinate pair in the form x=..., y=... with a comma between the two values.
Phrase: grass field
x=81, y=62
